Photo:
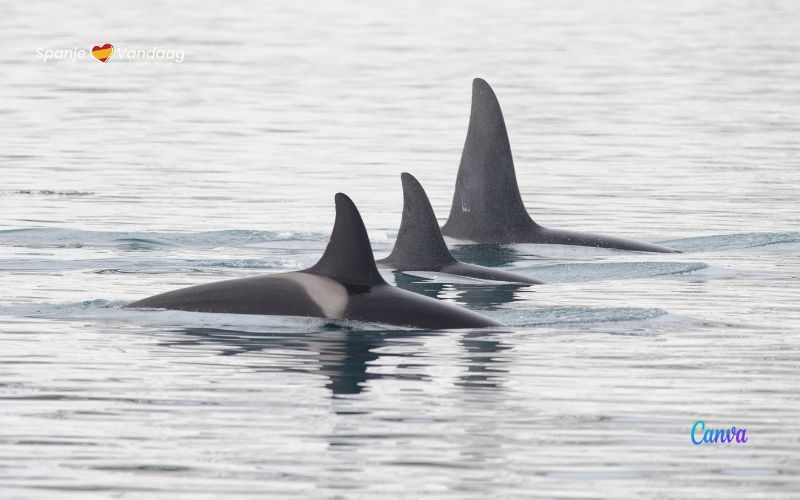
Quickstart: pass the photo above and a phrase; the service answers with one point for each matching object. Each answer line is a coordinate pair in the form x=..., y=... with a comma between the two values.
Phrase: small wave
x=733, y=241
x=137, y=271
x=140, y=244
x=381, y=237
x=167, y=267
x=494, y=255
x=114, y=313
x=580, y=272
x=71, y=238
x=153, y=266
x=252, y=264
x=567, y=316
x=60, y=310
x=48, y=192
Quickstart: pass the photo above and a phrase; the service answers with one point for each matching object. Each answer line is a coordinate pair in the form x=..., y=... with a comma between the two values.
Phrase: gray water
x=674, y=122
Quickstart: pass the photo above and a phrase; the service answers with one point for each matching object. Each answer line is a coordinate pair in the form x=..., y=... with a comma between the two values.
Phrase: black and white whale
x=487, y=206
x=344, y=285
x=421, y=247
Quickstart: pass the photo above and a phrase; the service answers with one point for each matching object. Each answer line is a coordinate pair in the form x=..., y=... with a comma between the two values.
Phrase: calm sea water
x=671, y=121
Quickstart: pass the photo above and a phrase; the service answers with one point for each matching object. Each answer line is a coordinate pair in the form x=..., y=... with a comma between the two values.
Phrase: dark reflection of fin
x=343, y=356
x=477, y=296
x=488, y=255
x=418, y=284
x=345, y=363
x=484, y=368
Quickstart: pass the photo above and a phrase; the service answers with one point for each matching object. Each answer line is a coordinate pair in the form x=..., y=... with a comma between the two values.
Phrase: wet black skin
x=487, y=205
x=346, y=276
x=421, y=247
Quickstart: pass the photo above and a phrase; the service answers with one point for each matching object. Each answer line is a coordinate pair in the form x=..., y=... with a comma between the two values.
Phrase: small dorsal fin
x=419, y=244
x=348, y=257
x=486, y=202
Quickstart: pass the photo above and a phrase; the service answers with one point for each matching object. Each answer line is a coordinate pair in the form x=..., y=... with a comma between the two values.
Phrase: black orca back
x=487, y=205
x=420, y=245
x=348, y=257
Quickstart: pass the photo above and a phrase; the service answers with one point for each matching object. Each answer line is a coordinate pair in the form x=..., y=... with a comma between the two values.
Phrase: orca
x=420, y=245
x=487, y=206
x=343, y=285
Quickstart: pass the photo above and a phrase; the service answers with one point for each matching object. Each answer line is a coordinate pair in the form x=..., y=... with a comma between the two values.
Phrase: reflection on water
x=345, y=357
x=341, y=356
x=650, y=120
x=485, y=296
x=484, y=361
x=486, y=255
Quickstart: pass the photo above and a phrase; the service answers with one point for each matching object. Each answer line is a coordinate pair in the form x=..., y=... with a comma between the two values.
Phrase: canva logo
x=702, y=435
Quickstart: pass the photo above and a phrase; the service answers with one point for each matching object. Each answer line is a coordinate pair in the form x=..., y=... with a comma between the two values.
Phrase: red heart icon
x=103, y=53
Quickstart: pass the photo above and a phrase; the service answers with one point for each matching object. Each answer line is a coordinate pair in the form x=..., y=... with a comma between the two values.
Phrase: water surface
x=671, y=122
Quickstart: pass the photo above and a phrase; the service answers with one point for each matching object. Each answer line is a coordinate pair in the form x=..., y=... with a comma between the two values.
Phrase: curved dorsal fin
x=486, y=200
x=348, y=257
x=419, y=242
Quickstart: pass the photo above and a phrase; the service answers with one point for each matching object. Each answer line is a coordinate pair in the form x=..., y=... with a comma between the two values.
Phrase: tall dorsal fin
x=348, y=257
x=486, y=203
x=419, y=242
